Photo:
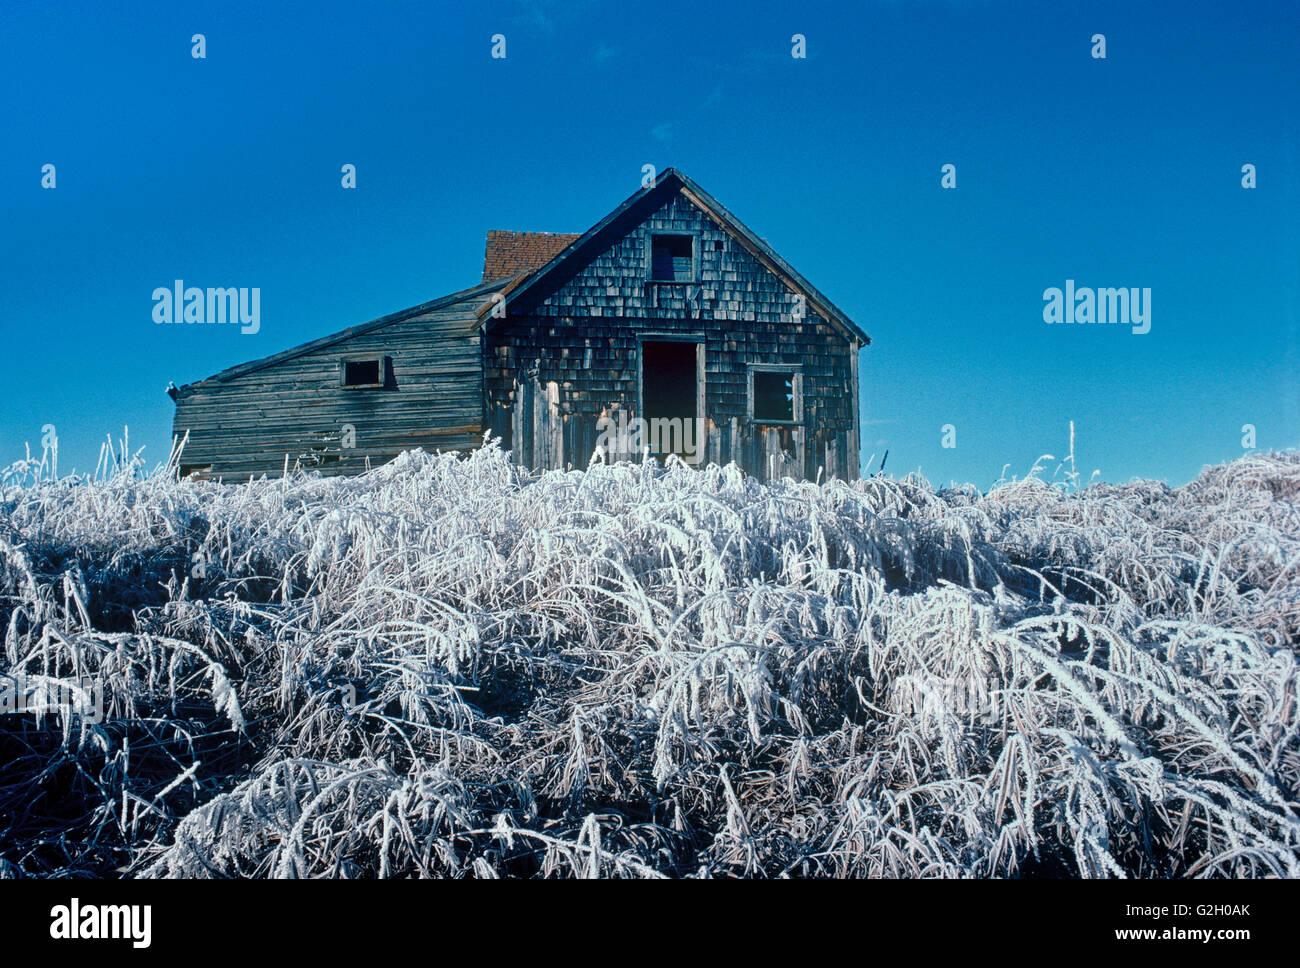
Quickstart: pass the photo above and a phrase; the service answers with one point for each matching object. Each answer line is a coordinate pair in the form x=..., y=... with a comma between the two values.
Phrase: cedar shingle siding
x=547, y=346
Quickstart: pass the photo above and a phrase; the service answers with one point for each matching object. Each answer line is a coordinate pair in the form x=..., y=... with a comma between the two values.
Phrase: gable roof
x=671, y=180
x=529, y=259
x=510, y=253
x=323, y=341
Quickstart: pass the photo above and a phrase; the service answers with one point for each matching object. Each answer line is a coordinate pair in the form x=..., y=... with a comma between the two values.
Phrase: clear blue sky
x=1117, y=172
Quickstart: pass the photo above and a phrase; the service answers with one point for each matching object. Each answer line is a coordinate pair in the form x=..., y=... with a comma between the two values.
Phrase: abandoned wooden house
x=668, y=327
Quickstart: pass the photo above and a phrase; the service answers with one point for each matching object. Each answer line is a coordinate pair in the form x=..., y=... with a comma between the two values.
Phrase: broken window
x=363, y=373
x=774, y=395
x=672, y=258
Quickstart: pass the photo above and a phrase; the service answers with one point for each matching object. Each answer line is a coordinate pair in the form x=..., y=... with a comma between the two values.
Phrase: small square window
x=774, y=396
x=363, y=373
x=672, y=258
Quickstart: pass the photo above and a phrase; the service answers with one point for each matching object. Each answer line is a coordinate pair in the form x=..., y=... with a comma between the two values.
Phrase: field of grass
x=450, y=667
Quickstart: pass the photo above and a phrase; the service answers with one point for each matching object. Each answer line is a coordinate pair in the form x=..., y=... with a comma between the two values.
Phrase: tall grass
x=449, y=666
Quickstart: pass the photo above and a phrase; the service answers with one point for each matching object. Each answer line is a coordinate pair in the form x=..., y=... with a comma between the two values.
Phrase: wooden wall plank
x=297, y=408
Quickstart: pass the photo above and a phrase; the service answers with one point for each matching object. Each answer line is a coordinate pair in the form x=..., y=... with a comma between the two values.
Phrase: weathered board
x=252, y=419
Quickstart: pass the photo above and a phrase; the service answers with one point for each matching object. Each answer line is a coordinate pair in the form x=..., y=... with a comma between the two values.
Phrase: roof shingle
x=511, y=253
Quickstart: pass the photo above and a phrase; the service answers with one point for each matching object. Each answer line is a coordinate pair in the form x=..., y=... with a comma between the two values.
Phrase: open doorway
x=670, y=398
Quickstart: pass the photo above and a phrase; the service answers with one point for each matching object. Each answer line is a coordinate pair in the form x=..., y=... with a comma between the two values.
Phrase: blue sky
x=1117, y=172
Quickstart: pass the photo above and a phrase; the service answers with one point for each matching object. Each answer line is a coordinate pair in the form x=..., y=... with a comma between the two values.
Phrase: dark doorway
x=670, y=392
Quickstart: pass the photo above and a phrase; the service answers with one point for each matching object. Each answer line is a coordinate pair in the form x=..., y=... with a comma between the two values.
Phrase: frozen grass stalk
x=451, y=667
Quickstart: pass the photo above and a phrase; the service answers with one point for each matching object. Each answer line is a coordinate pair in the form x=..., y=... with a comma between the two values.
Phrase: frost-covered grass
x=451, y=667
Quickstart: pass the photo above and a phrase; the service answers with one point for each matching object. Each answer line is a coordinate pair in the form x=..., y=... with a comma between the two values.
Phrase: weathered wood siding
x=555, y=364
x=297, y=408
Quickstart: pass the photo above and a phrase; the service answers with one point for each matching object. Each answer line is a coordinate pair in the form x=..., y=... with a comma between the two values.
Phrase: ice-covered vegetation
x=451, y=667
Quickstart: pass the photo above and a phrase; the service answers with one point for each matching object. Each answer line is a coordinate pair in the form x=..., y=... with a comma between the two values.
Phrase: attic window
x=363, y=373
x=775, y=394
x=672, y=258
